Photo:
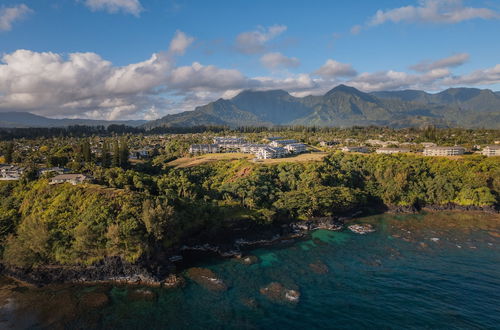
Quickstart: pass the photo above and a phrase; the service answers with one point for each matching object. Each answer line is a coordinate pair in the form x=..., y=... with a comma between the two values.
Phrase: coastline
x=164, y=271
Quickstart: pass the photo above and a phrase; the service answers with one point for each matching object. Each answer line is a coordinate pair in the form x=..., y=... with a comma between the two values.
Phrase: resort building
x=428, y=144
x=444, y=151
x=492, y=150
x=355, y=149
x=296, y=148
x=74, y=179
x=204, y=148
x=280, y=143
x=252, y=148
x=391, y=150
x=229, y=141
x=271, y=152
x=11, y=172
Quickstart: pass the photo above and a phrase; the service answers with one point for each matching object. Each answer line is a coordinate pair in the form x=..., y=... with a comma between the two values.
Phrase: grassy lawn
x=208, y=158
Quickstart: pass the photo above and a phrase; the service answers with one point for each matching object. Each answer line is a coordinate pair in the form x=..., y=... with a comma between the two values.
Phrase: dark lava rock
x=206, y=278
x=141, y=294
x=249, y=260
x=278, y=293
x=174, y=281
x=361, y=228
x=94, y=300
x=319, y=267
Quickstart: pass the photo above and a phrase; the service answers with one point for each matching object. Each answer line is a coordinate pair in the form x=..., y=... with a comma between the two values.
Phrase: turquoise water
x=434, y=271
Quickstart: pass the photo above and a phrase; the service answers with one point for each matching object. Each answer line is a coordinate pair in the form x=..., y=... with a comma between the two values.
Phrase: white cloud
x=487, y=76
x=254, y=42
x=447, y=62
x=9, y=15
x=180, y=43
x=332, y=69
x=87, y=86
x=133, y=7
x=278, y=60
x=356, y=29
x=430, y=11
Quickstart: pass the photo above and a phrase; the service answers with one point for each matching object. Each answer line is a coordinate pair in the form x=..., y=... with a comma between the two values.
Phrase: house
x=492, y=150
x=444, y=151
x=280, y=143
x=58, y=170
x=74, y=179
x=139, y=154
x=391, y=150
x=271, y=152
x=328, y=143
x=11, y=172
x=229, y=141
x=204, y=148
x=355, y=149
x=296, y=148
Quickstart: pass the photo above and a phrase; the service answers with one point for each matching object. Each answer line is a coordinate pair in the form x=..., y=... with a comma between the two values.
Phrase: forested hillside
x=132, y=213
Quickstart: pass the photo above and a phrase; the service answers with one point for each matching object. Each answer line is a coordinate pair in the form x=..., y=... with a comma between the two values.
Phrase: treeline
x=131, y=213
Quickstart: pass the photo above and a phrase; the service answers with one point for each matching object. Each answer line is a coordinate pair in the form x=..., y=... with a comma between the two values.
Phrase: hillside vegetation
x=133, y=214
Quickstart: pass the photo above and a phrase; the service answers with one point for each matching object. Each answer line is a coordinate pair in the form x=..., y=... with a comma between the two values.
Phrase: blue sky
x=120, y=59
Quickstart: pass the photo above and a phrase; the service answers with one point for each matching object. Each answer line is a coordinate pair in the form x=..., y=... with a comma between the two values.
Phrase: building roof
x=69, y=176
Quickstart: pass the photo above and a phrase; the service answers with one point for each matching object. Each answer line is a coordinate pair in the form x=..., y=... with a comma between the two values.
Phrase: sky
x=143, y=59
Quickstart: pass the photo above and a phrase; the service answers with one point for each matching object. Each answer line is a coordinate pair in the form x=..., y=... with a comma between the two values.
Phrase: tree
x=9, y=151
x=124, y=154
x=116, y=154
x=86, y=152
x=106, y=155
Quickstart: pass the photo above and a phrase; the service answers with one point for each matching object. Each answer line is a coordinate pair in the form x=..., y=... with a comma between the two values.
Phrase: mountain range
x=345, y=106
x=27, y=119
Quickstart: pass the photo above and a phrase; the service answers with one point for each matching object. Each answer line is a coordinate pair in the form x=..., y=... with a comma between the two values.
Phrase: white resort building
x=229, y=141
x=444, y=151
x=281, y=143
x=296, y=148
x=252, y=148
x=392, y=150
x=492, y=150
x=270, y=152
x=355, y=149
x=204, y=148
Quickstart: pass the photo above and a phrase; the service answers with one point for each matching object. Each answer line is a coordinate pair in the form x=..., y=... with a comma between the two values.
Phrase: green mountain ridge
x=345, y=106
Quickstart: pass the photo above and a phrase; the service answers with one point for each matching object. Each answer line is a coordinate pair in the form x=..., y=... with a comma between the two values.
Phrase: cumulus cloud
x=254, y=42
x=430, y=11
x=487, y=76
x=278, y=60
x=180, y=43
x=332, y=69
x=133, y=7
x=447, y=62
x=9, y=15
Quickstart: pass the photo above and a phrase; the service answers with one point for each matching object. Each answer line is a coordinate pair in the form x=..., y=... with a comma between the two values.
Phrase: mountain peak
x=344, y=89
x=252, y=92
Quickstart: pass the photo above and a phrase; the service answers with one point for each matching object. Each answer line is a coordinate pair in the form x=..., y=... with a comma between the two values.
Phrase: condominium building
x=280, y=143
x=492, y=150
x=204, y=148
x=444, y=151
x=252, y=148
x=229, y=141
x=11, y=172
x=355, y=149
x=271, y=152
x=296, y=148
x=392, y=150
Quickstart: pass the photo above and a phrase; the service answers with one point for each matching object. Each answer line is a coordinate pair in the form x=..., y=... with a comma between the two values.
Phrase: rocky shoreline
x=163, y=270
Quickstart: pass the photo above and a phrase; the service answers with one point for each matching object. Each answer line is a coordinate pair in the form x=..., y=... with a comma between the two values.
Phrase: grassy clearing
x=208, y=158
